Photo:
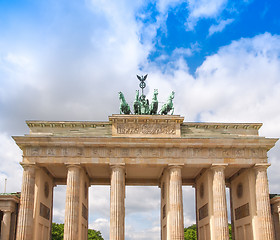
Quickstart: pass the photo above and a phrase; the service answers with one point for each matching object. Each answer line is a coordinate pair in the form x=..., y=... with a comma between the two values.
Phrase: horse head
x=172, y=95
x=121, y=95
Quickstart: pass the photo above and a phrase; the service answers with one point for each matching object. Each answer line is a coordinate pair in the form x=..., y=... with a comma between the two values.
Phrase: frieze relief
x=137, y=152
x=146, y=128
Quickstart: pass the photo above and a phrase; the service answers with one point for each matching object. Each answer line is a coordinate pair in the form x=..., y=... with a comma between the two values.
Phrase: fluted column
x=25, y=218
x=117, y=207
x=278, y=213
x=6, y=225
x=265, y=225
x=72, y=203
x=219, y=203
x=175, y=222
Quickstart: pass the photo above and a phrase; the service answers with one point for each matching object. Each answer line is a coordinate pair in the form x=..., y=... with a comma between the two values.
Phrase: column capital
x=218, y=166
x=117, y=165
x=261, y=166
x=175, y=165
x=26, y=166
x=74, y=165
x=7, y=211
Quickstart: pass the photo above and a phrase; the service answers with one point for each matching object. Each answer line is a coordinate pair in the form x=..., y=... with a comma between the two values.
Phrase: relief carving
x=239, y=153
x=125, y=152
x=65, y=152
x=153, y=128
x=226, y=153
x=196, y=152
x=146, y=152
x=50, y=151
x=170, y=152
x=79, y=152
x=35, y=151
x=95, y=152
x=254, y=152
x=154, y=152
x=139, y=152
x=111, y=152
x=212, y=153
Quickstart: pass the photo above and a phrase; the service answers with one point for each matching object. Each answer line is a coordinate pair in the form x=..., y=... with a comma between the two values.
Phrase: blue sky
x=68, y=59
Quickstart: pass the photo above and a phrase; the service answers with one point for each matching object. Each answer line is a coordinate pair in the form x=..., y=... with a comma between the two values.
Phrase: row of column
x=175, y=226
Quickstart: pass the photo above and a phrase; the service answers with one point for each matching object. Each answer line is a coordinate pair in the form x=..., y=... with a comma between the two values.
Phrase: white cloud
x=10, y=156
x=102, y=225
x=59, y=199
x=203, y=9
x=152, y=233
x=185, y=52
x=164, y=5
x=220, y=26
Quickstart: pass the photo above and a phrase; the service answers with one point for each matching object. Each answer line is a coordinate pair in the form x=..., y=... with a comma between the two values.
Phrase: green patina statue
x=167, y=107
x=154, y=104
x=124, y=108
x=141, y=104
x=137, y=104
x=144, y=105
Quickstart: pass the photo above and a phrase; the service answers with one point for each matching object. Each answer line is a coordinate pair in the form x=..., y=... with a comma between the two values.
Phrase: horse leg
x=172, y=111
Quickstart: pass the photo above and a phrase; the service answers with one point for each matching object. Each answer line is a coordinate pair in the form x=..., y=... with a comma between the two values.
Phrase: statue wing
x=139, y=77
x=145, y=77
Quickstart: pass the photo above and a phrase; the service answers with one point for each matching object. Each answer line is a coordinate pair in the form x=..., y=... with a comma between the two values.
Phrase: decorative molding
x=152, y=152
x=66, y=124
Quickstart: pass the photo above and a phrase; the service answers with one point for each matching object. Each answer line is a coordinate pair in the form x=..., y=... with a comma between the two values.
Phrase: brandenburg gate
x=156, y=150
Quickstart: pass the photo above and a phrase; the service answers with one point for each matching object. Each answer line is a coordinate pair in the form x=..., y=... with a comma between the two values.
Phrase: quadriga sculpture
x=154, y=103
x=124, y=107
x=167, y=107
x=137, y=104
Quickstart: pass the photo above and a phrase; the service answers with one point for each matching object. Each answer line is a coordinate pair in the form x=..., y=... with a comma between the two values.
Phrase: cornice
x=260, y=142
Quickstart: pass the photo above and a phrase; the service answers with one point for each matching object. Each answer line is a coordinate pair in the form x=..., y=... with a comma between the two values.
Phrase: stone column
x=6, y=225
x=25, y=218
x=175, y=223
x=72, y=203
x=219, y=203
x=265, y=225
x=117, y=207
x=278, y=213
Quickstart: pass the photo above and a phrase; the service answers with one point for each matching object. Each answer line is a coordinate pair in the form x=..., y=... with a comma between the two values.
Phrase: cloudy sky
x=67, y=60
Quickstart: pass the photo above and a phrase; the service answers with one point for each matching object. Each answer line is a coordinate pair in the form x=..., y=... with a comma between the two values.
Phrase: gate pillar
x=219, y=203
x=211, y=205
x=265, y=226
x=76, y=207
x=25, y=218
x=117, y=205
x=172, y=219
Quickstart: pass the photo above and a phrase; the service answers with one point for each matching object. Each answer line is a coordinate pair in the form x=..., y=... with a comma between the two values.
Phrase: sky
x=68, y=59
